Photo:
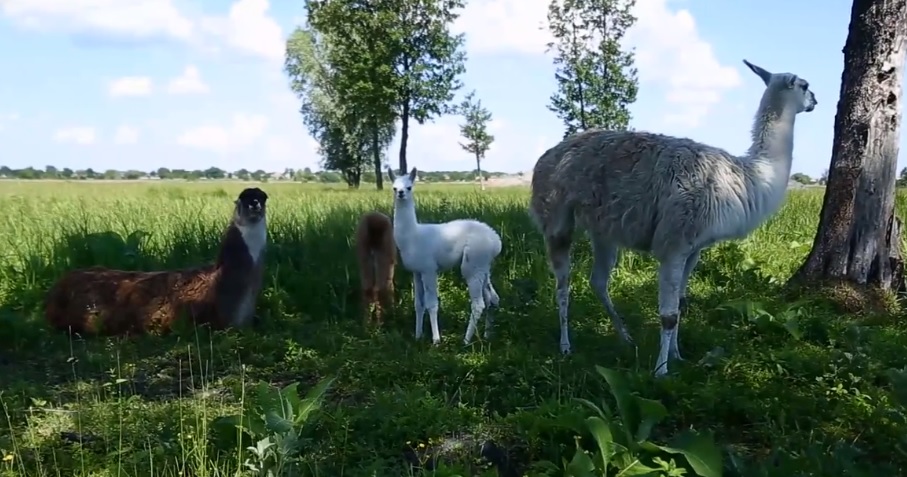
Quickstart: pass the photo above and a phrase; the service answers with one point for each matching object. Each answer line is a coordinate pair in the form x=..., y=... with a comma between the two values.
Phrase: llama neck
x=255, y=236
x=405, y=222
x=773, y=132
x=767, y=164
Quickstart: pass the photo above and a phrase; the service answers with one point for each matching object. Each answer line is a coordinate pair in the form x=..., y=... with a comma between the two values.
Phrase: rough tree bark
x=859, y=236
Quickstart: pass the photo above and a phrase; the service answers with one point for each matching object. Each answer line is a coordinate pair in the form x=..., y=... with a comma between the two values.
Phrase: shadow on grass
x=394, y=393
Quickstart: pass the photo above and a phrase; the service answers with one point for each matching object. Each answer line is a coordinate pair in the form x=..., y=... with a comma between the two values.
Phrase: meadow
x=774, y=384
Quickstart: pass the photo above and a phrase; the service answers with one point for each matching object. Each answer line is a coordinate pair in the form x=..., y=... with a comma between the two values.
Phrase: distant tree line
x=806, y=180
x=215, y=173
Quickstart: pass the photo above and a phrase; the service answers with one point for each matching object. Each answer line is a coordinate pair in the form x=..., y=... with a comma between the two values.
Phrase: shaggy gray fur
x=665, y=195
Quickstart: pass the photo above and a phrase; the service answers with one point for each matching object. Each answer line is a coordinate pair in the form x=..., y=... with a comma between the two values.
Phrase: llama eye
x=805, y=86
x=409, y=188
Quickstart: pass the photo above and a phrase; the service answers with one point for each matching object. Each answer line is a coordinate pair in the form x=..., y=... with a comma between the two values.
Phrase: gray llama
x=669, y=196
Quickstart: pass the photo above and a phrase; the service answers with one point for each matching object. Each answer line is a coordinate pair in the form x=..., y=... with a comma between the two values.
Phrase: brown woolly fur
x=377, y=256
x=101, y=301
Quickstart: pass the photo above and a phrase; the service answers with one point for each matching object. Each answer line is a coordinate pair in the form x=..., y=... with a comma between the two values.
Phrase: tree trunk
x=479, y=168
x=404, y=135
x=859, y=237
x=376, y=156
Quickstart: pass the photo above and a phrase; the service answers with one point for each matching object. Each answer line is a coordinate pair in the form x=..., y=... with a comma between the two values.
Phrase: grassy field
x=782, y=385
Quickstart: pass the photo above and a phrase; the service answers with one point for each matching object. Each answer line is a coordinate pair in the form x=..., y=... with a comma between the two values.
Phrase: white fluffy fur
x=256, y=237
x=428, y=249
x=669, y=196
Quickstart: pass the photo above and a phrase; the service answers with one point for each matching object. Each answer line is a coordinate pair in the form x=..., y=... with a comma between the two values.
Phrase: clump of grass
x=778, y=380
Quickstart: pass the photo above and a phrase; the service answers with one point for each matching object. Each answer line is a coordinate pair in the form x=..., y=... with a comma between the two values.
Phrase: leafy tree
x=341, y=68
x=475, y=131
x=214, y=173
x=801, y=178
x=596, y=79
x=902, y=179
x=242, y=174
x=429, y=60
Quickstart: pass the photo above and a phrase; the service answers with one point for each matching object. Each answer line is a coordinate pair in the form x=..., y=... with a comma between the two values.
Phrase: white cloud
x=126, y=135
x=129, y=86
x=505, y=26
x=436, y=146
x=190, y=82
x=669, y=51
x=134, y=18
x=248, y=28
x=80, y=135
x=243, y=130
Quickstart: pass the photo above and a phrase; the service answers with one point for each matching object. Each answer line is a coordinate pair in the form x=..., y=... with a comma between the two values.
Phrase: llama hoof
x=565, y=350
x=661, y=372
x=436, y=342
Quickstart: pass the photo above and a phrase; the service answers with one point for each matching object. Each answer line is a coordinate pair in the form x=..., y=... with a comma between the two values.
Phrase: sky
x=142, y=84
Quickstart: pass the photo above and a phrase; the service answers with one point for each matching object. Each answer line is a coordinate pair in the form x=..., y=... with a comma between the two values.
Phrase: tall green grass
x=781, y=382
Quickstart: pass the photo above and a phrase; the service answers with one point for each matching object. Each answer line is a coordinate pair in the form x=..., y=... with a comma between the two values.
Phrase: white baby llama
x=427, y=249
x=664, y=195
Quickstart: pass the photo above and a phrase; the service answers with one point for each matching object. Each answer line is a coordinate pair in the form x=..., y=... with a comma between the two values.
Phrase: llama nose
x=400, y=194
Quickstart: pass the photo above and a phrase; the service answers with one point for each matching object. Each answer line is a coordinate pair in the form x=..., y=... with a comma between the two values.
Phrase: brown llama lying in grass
x=102, y=301
x=377, y=255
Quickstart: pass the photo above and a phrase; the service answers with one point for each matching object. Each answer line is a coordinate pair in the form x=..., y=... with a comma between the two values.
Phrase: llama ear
x=765, y=75
x=390, y=173
x=791, y=81
x=412, y=175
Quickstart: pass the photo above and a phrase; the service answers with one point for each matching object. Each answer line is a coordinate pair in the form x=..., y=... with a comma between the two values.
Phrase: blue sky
x=142, y=84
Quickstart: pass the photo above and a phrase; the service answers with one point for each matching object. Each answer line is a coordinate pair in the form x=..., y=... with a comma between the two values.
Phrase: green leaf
x=290, y=395
x=700, y=451
x=313, y=399
x=626, y=405
x=601, y=432
x=581, y=465
x=792, y=325
x=228, y=432
x=596, y=409
x=636, y=467
x=652, y=412
x=277, y=423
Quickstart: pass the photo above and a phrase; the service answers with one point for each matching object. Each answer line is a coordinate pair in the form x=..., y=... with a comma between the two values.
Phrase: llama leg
x=368, y=298
x=476, y=287
x=670, y=274
x=559, y=260
x=419, y=301
x=492, y=301
x=386, y=297
x=688, y=268
x=691, y=262
x=430, y=299
x=605, y=258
